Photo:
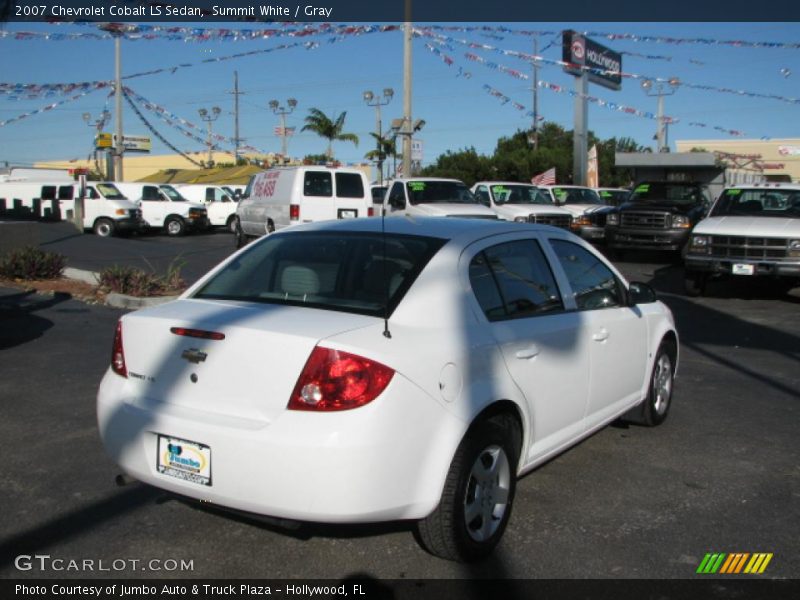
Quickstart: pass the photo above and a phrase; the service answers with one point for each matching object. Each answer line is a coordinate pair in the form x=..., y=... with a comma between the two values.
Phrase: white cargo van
x=433, y=197
x=218, y=201
x=163, y=206
x=285, y=196
x=521, y=203
x=106, y=211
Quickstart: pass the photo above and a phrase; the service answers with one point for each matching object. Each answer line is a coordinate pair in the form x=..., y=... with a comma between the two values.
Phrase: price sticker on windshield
x=416, y=186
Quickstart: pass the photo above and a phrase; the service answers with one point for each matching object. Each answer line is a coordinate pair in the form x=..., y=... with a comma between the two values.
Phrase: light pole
x=399, y=128
x=98, y=125
x=210, y=118
x=658, y=89
x=282, y=111
x=373, y=100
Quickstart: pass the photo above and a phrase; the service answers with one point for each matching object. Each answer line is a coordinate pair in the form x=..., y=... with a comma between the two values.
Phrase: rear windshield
x=674, y=193
x=427, y=192
x=519, y=194
x=758, y=203
x=357, y=272
x=349, y=185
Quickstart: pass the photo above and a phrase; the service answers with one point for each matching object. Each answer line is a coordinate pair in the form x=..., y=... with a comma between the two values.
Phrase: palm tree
x=318, y=122
x=386, y=147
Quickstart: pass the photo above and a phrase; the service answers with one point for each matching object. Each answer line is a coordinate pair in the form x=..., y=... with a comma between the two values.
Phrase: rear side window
x=48, y=192
x=364, y=273
x=317, y=183
x=349, y=185
x=65, y=192
x=513, y=281
x=593, y=284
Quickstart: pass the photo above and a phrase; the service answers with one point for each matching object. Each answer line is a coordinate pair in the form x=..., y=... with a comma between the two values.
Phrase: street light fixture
x=282, y=111
x=210, y=118
x=399, y=128
x=98, y=125
x=659, y=89
x=372, y=100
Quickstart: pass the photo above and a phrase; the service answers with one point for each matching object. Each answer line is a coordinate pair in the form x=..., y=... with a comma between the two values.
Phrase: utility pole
x=407, y=128
x=119, y=146
x=210, y=118
x=658, y=89
x=236, y=93
x=580, y=143
x=535, y=93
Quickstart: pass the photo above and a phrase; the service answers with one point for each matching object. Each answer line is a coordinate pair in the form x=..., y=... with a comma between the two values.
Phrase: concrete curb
x=113, y=299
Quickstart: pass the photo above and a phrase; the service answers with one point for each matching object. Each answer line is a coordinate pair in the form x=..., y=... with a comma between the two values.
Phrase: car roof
x=766, y=186
x=403, y=179
x=451, y=228
x=505, y=183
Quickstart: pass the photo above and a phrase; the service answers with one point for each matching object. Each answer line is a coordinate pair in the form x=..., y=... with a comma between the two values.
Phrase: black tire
x=174, y=226
x=459, y=529
x=655, y=408
x=239, y=235
x=230, y=225
x=695, y=283
x=103, y=228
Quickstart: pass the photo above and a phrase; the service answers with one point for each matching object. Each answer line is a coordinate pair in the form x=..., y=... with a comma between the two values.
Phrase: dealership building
x=776, y=159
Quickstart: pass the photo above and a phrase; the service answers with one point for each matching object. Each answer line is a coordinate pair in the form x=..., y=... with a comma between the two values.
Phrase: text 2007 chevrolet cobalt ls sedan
x=362, y=371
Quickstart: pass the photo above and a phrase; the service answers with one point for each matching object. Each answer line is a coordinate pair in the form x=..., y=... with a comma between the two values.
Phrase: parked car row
x=111, y=208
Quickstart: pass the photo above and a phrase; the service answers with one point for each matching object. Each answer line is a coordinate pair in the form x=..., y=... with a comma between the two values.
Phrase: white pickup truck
x=521, y=203
x=751, y=231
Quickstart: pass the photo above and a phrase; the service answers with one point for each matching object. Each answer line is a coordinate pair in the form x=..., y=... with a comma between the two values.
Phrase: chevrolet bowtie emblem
x=193, y=355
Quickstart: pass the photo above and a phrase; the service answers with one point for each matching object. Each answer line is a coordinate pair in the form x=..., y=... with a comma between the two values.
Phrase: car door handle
x=529, y=352
x=601, y=336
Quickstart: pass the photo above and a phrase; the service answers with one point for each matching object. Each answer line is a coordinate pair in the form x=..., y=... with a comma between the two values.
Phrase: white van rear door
x=353, y=196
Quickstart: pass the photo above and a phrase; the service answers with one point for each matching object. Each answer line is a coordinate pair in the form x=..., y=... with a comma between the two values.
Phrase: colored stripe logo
x=735, y=563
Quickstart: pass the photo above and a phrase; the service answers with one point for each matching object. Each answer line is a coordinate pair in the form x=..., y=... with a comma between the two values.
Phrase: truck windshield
x=519, y=194
x=431, y=192
x=171, y=193
x=109, y=191
x=577, y=196
x=671, y=193
x=758, y=202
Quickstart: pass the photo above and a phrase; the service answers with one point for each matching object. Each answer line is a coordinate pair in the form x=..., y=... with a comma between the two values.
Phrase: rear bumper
x=647, y=239
x=384, y=461
x=716, y=266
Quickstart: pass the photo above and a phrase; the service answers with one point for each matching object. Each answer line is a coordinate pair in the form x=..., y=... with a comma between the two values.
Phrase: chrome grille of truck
x=562, y=221
x=645, y=220
x=754, y=248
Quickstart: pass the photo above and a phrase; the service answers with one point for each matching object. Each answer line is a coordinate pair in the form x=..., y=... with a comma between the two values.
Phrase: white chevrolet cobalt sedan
x=376, y=370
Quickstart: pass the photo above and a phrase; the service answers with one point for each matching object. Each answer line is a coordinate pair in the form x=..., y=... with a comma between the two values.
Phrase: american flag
x=546, y=178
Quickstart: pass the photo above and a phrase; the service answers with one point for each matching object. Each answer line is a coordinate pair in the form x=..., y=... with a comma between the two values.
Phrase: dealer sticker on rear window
x=183, y=459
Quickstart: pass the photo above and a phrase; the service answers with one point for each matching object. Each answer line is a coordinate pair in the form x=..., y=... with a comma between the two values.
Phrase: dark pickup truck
x=658, y=215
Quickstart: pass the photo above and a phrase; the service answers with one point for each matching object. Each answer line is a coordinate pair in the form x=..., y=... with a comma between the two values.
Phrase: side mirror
x=397, y=203
x=641, y=293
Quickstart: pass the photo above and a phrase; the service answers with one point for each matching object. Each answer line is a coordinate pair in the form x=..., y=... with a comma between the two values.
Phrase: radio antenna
x=386, y=333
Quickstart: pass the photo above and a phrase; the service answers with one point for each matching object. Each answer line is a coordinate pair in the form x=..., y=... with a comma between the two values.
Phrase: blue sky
x=458, y=111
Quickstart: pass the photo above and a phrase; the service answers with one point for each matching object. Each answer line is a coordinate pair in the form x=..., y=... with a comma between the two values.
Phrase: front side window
x=349, y=185
x=171, y=193
x=513, y=280
x=593, y=283
x=150, y=193
x=318, y=183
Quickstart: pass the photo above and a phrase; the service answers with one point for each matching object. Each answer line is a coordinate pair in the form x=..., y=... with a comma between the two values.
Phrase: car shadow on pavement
x=18, y=323
x=74, y=523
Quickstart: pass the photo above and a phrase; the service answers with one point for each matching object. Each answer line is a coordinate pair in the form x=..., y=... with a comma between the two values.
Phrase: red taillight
x=118, y=354
x=336, y=380
x=370, y=212
x=197, y=333
x=294, y=212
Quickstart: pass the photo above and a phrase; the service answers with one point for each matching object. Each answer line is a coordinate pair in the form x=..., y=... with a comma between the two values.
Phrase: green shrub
x=31, y=262
x=133, y=281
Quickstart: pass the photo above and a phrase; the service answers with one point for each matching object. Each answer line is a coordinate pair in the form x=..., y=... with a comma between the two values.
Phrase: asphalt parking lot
x=721, y=475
